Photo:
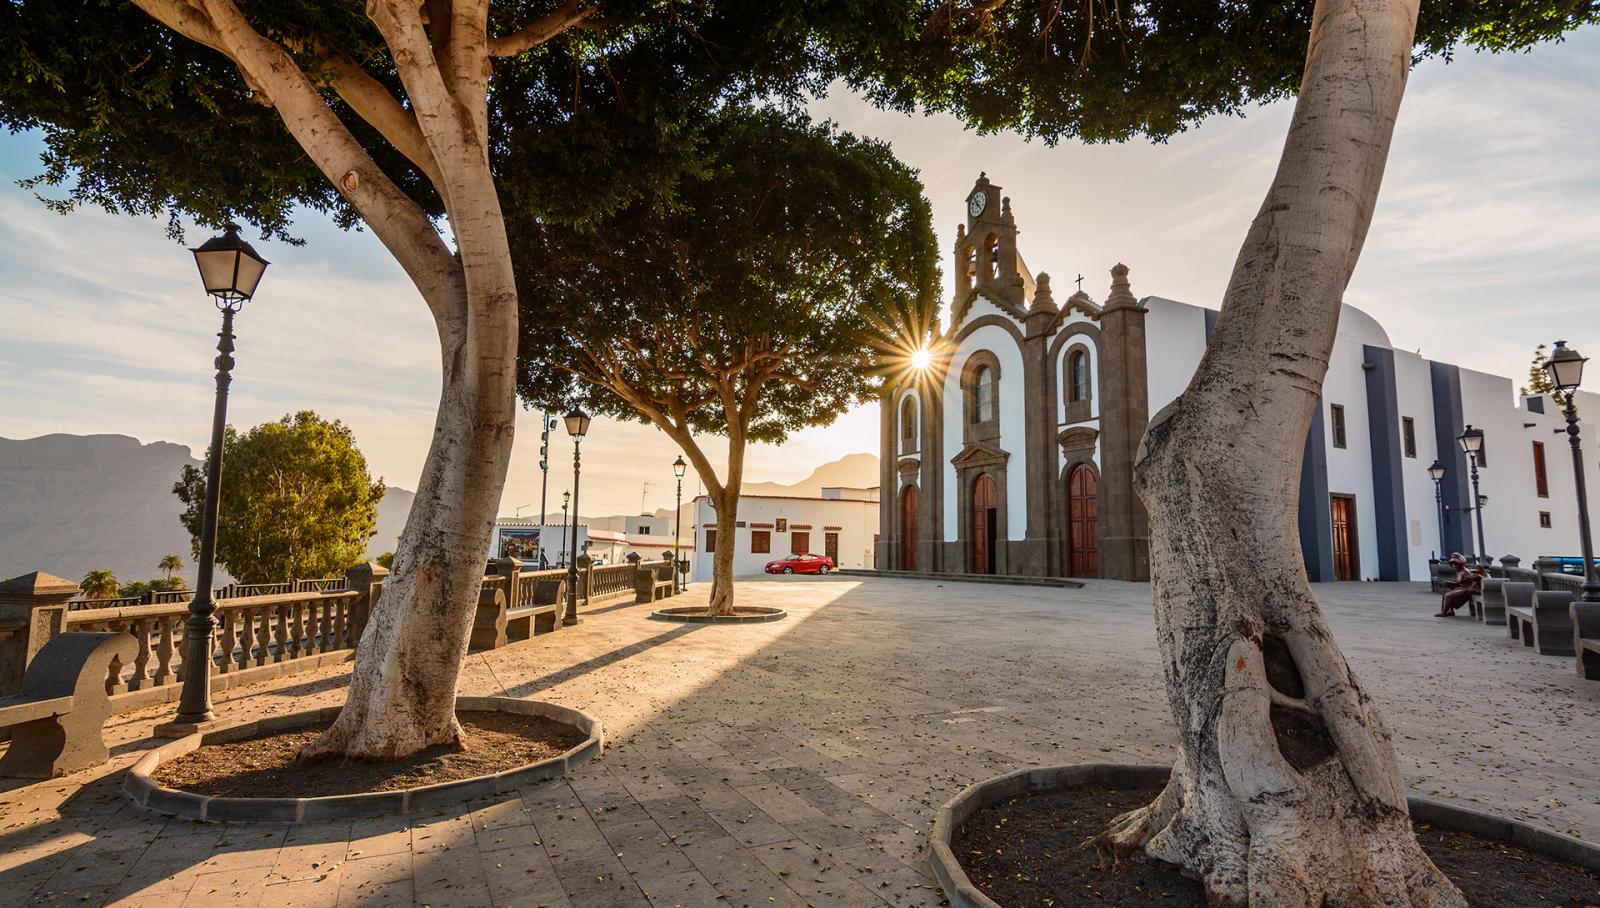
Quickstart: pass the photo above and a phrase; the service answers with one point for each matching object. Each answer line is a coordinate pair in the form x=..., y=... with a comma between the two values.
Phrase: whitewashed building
x=1014, y=452
x=841, y=524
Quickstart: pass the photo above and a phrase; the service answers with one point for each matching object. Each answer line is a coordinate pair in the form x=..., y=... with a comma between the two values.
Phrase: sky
x=1485, y=243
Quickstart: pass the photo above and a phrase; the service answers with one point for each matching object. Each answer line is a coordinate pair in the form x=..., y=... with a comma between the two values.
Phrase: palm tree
x=171, y=563
x=99, y=584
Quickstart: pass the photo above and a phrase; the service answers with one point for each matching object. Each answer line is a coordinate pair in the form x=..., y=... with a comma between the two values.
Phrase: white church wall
x=1061, y=388
x=1414, y=399
x=1012, y=401
x=1511, y=519
x=1175, y=340
x=1350, y=467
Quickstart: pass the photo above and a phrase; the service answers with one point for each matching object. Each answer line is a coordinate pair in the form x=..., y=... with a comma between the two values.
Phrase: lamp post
x=546, y=423
x=1471, y=441
x=1436, y=470
x=678, y=468
x=577, y=426
x=566, y=499
x=1565, y=366
x=230, y=270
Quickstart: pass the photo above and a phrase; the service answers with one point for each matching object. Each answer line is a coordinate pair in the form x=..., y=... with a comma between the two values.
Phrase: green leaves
x=297, y=501
x=777, y=259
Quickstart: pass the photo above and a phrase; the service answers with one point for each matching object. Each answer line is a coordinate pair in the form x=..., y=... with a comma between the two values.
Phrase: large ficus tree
x=392, y=115
x=1287, y=789
x=762, y=295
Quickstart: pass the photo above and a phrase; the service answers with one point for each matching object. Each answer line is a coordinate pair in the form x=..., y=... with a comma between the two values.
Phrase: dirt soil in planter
x=1027, y=853
x=263, y=766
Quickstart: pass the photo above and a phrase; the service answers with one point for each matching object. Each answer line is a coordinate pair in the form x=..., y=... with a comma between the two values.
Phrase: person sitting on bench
x=1459, y=592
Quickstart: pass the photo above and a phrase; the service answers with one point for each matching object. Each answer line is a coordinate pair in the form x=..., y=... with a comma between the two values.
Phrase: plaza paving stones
x=798, y=762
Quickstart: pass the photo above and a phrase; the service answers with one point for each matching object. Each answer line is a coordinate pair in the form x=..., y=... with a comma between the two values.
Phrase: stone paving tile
x=798, y=762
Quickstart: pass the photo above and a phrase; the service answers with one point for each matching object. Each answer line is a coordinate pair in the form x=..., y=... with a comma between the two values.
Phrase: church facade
x=1013, y=452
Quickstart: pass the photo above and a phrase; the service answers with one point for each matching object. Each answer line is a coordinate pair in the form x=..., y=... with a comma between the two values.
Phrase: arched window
x=972, y=262
x=908, y=425
x=994, y=257
x=1078, y=376
x=981, y=408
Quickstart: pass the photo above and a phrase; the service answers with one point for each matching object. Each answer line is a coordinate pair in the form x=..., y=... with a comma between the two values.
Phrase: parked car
x=802, y=564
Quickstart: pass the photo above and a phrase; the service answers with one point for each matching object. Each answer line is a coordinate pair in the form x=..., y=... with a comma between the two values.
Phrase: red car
x=802, y=564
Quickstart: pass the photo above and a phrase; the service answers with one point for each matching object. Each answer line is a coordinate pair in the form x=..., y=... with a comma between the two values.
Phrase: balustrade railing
x=611, y=580
x=253, y=631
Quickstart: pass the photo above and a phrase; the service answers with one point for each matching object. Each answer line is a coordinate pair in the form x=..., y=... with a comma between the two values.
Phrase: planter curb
x=145, y=792
x=958, y=887
x=695, y=614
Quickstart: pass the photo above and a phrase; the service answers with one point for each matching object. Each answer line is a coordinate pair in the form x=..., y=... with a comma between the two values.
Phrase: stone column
x=32, y=609
x=1124, y=414
x=1040, y=553
x=367, y=580
x=887, y=551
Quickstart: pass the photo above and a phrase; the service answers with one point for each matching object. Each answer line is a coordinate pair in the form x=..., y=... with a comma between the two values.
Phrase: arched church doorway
x=1083, y=523
x=984, y=519
x=908, y=529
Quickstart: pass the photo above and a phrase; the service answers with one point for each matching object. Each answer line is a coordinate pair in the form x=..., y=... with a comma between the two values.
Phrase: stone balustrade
x=251, y=632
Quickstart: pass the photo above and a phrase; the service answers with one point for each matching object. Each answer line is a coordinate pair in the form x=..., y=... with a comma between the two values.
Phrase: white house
x=842, y=524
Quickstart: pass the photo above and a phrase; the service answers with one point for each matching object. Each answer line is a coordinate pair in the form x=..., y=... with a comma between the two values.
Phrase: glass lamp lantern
x=1436, y=470
x=577, y=423
x=229, y=267
x=1471, y=440
x=1565, y=366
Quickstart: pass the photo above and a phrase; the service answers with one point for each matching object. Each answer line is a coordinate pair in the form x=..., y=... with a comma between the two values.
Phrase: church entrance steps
x=992, y=579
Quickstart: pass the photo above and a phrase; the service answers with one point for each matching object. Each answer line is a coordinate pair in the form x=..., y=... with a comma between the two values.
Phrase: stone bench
x=1586, y=638
x=1545, y=624
x=1488, y=597
x=649, y=587
x=1497, y=594
x=57, y=721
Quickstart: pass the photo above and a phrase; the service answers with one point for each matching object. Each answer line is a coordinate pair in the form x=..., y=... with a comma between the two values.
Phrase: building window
x=799, y=543
x=1544, y=520
x=1408, y=431
x=908, y=425
x=783, y=524
x=711, y=541
x=1078, y=375
x=982, y=406
x=760, y=542
x=1541, y=481
x=1337, y=415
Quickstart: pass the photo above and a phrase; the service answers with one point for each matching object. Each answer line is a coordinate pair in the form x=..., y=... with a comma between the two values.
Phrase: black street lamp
x=577, y=426
x=566, y=499
x=230, y=270
x=1436, y=470
x=546, y=423
x=1471, y=441
x=1565, y=366
x=678, y=468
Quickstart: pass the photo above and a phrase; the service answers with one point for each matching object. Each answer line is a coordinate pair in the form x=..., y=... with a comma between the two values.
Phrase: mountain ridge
x=73, y=503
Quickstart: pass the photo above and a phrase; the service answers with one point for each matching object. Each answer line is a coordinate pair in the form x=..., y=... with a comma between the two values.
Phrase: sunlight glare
x=921, y=359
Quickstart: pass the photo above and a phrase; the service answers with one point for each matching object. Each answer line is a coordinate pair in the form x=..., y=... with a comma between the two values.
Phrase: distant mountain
x=72, y=503
x=856, y=471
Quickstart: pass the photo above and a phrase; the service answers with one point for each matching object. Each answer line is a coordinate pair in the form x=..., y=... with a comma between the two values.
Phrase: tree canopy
x=790, y=255
x=296, y=500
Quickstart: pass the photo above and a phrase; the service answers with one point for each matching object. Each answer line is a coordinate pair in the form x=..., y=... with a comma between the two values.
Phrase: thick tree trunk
x=721, y=602
x=1287, y=790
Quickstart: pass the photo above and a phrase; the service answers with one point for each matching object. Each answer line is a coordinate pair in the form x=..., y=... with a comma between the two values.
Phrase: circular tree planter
x=961, y=892
x=744, y=614
x=140, y=785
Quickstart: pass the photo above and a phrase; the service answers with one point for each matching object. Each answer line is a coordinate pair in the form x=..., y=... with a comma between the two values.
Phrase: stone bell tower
x=986, y=248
